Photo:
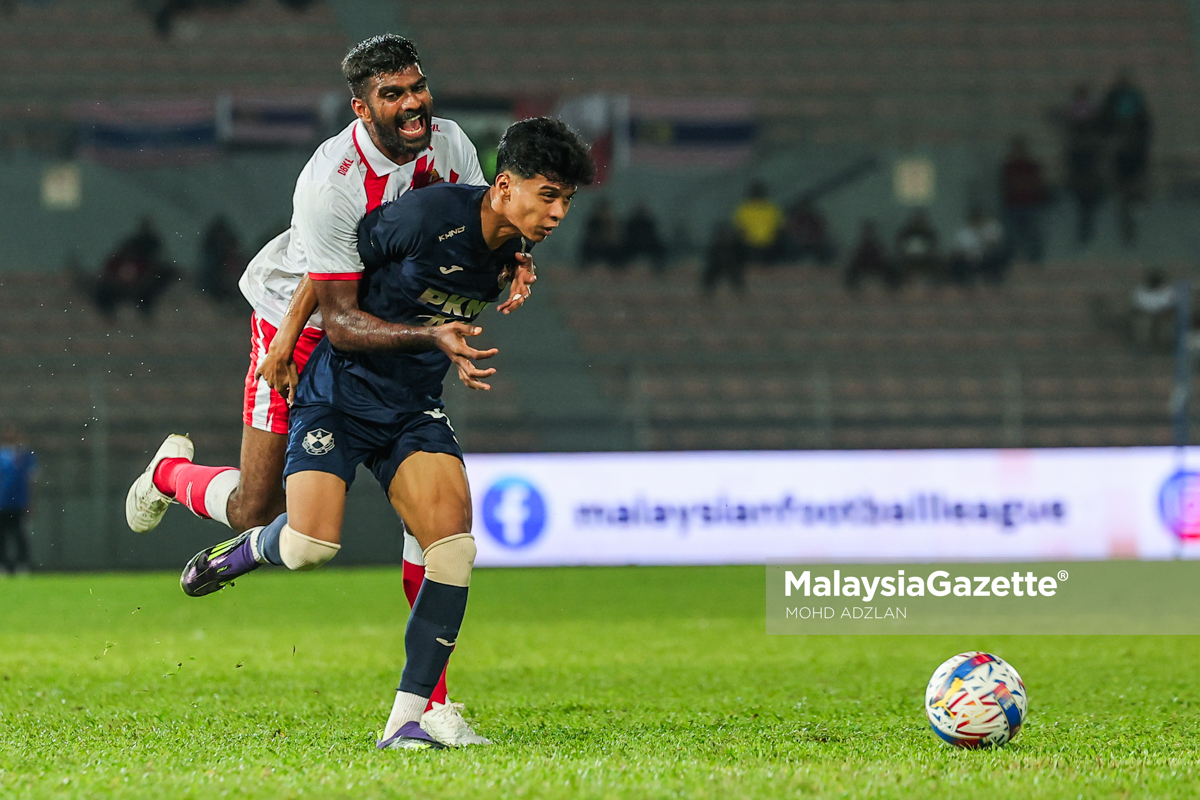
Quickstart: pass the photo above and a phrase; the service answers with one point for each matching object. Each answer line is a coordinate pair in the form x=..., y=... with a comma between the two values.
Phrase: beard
x=390, y=140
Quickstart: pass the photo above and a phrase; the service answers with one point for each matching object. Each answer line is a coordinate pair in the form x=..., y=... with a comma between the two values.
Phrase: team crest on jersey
x=318, y=442
x=425, y=173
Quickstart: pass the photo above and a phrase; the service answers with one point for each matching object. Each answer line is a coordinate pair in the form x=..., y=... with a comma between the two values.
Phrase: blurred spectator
x=979, y=249
x=917, y=248
x=724, y=260
x=135, y=272
x=18, y=471
x=807, y=234
x=870, y=258
x=600, y=238
x=682, y=245
x=1024, y=191
x=1152, y=312
x=221, y=260
x=1084, y=154
x=641, y=240
x=1126, y=118
x=759, y=223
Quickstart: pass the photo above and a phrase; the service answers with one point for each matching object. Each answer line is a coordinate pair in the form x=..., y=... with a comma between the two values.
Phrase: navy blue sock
x=431, y=634
x=268, y=541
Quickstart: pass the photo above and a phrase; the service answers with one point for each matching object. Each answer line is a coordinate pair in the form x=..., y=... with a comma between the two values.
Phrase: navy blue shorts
x=324, y=439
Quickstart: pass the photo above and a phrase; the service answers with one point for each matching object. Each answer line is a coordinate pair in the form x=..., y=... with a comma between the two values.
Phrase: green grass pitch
x=594, y=683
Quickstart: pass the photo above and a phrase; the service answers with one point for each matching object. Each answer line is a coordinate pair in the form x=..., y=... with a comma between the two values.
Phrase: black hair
x=379, y=55
x=545, y=146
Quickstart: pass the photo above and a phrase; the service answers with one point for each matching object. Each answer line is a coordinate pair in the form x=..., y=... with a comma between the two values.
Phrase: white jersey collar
x=379, y=163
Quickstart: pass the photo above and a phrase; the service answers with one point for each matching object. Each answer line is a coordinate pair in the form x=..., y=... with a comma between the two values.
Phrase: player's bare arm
x=353, y=330
x=278, y=369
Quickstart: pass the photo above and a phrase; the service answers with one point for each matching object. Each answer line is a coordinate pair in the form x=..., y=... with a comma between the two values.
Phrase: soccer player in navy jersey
x=371, y=392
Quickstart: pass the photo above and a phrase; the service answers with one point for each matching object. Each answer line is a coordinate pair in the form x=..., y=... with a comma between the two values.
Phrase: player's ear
x=504, y=183
x=361, y=109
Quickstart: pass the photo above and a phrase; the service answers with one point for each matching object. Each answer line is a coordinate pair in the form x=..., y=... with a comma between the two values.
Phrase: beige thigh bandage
x=450, y=560
x=300, y=552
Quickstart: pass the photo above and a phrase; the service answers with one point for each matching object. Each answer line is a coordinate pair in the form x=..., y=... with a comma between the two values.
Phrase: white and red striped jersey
x=346, y=178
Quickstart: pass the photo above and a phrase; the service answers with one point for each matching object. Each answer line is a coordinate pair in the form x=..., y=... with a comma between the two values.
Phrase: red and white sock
x=204, y=490
x=413, y=577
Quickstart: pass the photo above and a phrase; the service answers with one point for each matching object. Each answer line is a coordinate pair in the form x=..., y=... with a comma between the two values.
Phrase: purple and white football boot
x=215, y=568
x=411, y=736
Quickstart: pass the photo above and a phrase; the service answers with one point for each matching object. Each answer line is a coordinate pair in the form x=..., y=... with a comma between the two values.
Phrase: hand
x=451, y=340
x=280, y=373
x=524, y=277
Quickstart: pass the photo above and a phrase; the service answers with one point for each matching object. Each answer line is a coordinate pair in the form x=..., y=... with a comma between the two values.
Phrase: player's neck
x=496, y=226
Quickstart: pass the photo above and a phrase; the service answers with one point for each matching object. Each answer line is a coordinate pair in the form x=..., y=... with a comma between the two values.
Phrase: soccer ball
x=975, y=700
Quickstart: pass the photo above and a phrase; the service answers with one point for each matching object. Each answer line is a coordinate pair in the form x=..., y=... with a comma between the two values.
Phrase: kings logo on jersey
x=318, y=442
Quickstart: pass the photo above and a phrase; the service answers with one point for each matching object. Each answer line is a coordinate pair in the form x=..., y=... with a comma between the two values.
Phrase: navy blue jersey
x=427, y=263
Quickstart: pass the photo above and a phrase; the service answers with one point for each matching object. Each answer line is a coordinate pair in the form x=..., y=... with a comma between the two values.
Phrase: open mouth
x=413, y=127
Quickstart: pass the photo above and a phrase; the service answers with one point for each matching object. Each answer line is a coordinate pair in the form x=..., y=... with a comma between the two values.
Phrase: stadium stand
x=795, y=363
x=799, y=363
x=872, y=71
x=105, y=49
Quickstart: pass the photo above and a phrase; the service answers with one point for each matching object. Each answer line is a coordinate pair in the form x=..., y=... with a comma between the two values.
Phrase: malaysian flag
x=670, y=133
x=148, y=133
x=277, y=120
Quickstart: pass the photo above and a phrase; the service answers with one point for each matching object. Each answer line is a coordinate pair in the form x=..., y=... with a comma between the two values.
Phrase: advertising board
x=814, y=506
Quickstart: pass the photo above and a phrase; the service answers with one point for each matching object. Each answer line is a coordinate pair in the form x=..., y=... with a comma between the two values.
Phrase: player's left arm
x=524, y=276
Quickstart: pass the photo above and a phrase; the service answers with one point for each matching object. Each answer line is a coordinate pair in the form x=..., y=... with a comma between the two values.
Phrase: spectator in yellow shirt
x=759, y=222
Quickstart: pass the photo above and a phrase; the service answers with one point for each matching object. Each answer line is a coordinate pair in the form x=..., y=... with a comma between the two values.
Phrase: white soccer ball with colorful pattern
x=975, y=700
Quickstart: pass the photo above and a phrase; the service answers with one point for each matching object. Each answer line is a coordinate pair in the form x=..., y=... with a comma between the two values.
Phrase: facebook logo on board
x=1179, y=505
x=514, y=512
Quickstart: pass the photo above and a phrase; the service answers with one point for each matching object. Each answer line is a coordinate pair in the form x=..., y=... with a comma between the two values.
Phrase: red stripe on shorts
x=261, y=335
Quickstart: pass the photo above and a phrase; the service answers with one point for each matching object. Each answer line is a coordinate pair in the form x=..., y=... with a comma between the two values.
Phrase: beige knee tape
x=450, y=560
x=300, y=552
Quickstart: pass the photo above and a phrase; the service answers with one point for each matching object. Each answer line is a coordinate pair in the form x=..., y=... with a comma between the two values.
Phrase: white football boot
x=445, y=723
x=145, y=504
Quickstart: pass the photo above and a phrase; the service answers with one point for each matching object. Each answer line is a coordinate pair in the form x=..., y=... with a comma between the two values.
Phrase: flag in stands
x=148, y=133
x=277, y=120
x=673, y=132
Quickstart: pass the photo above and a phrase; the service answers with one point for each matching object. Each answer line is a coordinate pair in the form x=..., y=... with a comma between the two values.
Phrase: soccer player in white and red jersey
x=394, y=145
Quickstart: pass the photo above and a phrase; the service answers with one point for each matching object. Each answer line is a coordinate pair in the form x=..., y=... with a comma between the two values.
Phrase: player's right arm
x=278, y=368
x=352, y=330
